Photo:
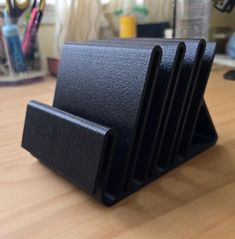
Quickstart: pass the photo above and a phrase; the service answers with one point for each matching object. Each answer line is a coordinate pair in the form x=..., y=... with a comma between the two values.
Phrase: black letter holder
x=125, y=112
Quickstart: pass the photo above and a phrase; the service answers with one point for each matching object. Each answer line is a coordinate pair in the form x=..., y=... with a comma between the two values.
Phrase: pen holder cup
x=15, y=65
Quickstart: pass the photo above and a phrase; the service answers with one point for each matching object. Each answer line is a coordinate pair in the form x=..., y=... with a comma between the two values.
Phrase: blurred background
x=83, y=20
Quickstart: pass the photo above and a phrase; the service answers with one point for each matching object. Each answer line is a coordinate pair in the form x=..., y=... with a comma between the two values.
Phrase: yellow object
x=21, y=4
x=127, y=25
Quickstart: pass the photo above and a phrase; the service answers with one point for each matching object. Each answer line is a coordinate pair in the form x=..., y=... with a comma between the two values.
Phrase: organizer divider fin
x=193, y=109
x=193, y=60
x=164, y=89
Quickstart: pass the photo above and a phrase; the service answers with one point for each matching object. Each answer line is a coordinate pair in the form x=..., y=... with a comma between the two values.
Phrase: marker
x=42, y=6
x=31, y=31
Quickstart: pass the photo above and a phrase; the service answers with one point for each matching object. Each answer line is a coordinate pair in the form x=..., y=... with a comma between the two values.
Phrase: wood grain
x=194, y=201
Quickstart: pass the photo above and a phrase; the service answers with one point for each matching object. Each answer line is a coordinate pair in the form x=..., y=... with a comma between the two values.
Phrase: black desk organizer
x=125, y=112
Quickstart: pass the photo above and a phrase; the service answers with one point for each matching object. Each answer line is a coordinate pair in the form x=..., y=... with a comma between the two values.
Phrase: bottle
x=192, y=18
x=11, y=34
x=127, y=22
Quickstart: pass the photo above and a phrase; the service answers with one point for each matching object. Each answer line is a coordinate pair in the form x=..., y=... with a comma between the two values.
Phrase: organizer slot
x=159, y=137
x=141, y=128
x=70, y=145
x=144, y=108
x=157, y=106
x=199, y=58
x=194, y=108
x=193, y=59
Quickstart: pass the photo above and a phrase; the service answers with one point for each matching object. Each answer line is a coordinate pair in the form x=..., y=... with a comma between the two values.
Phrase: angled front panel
x=70, y=145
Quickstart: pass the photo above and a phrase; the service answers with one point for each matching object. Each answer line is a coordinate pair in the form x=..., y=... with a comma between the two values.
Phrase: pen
x=34, y=5
x=42, y=6
x=30, y=33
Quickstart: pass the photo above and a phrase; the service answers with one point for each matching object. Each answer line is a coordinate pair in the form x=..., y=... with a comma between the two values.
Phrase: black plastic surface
x=74, y=147
x=149, y=91
x=164, y=83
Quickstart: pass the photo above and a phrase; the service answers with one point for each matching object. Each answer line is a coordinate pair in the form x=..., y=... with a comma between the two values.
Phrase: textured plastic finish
x=149, y=91
x=164, y=79
x=174, y=106
x=109, y=91
x=76, y=147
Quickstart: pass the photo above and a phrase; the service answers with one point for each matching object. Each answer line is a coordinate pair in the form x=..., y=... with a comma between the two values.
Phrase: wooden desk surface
x=197, y=200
